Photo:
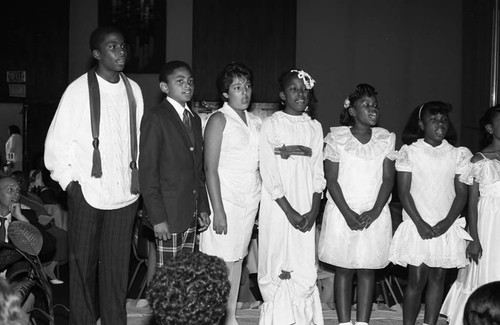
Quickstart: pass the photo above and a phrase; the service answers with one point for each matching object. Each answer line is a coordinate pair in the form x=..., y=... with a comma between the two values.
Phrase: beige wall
x=410, y=51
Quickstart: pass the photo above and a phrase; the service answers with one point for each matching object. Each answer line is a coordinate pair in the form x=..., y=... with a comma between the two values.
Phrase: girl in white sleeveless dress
x=484, y=220
x=233, y=180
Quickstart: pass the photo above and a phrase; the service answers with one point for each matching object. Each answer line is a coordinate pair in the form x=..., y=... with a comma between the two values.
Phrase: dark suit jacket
x=171, y=174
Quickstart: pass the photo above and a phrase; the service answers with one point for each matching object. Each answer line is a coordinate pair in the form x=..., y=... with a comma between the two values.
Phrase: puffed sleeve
x=271, y=178
x=403, y=163
x=463, y=160
x=331, y=151
x=392, y=154
x=468, y=175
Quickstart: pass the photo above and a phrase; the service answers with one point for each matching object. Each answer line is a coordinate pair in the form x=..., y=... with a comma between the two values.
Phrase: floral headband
x=347, y=103
x=306, y=78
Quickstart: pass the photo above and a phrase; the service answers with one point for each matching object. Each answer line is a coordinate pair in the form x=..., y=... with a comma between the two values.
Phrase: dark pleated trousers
x=99, y=243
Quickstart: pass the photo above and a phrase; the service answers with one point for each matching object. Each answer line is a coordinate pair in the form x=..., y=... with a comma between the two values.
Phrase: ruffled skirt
x=343, y=247
x=445, y=251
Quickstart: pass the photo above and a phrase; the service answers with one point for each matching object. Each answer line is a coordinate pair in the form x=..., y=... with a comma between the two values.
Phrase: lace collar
x=378, y=145
x=443, y=149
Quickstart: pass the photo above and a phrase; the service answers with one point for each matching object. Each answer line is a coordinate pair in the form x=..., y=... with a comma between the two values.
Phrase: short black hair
x=361, y=90
x=99, y=34
x=483, y=305
x=14, y=129
x=169, y=68
x=190, y=289
x=227, y=75
x=412, y=131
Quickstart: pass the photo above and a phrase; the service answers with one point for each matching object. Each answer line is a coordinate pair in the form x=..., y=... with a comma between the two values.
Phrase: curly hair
x=11, y=312
x=227, y=75
x=361, y=91
x=412, y=131
x=190, y=289
x=483, y=305
x=487, y=118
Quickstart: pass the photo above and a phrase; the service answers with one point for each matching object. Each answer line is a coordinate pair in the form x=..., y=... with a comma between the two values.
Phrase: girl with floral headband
x=291, y=166
x=356, y=231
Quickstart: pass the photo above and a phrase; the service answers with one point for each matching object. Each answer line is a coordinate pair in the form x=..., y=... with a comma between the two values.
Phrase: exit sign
x=16, y=76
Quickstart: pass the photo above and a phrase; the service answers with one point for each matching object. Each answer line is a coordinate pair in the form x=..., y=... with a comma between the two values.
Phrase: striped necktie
x=187, y=123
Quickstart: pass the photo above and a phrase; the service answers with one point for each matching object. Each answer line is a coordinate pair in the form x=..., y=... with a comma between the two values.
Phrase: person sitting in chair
x=10, y=210
x=31, y=201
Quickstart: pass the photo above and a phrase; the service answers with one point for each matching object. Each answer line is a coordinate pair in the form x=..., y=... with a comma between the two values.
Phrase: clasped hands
x=303, y=222
x=361, y=221
x=427, y=232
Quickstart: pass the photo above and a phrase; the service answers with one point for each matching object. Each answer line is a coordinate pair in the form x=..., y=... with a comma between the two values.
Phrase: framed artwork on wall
x=143, y=23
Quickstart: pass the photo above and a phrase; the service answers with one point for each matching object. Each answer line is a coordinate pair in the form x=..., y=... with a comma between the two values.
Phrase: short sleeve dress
x=486, y=172
x=240, y=186
x=433, y=171
x=360, y=178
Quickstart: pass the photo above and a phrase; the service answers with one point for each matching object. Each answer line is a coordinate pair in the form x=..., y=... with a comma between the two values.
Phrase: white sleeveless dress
x=486, y=172
x=240, y=185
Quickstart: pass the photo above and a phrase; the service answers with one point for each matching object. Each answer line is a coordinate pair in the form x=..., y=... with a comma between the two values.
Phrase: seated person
x=483, y=305
x=10, y=210
x=190, y=289
x=31, y=201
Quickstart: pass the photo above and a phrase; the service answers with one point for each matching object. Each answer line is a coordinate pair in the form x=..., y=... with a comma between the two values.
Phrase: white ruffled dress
x=282, y=247
x=486, y=172
x=360, y=178
x=433, y=172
